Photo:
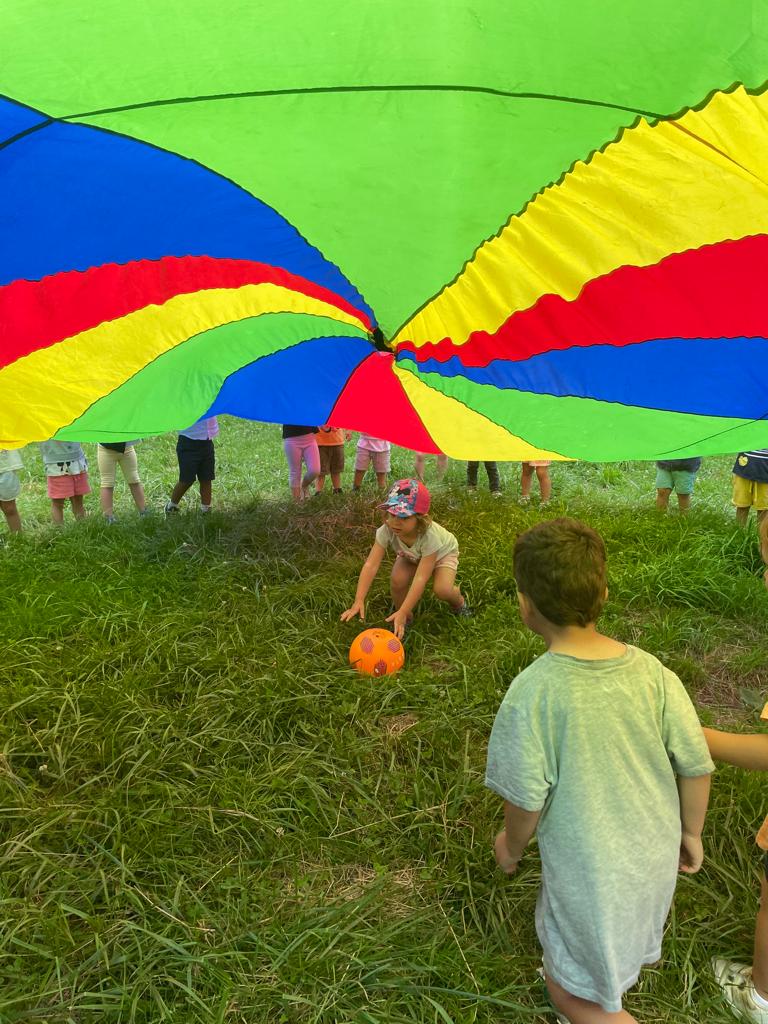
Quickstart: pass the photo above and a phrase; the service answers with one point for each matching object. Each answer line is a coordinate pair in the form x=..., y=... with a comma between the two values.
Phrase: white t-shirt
x=373, y=444
x=10, y=459
x=436, y=541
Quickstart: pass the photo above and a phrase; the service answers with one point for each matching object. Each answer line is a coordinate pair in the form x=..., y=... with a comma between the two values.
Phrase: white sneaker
x=738, y=988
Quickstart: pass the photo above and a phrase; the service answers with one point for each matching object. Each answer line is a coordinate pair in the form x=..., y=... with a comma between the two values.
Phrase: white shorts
x=10, y=485
x=380, y=460
x=109, y=460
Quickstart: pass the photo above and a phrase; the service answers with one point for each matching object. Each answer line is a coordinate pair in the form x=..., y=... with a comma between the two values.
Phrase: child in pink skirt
x=66, y=469
x=541, y=468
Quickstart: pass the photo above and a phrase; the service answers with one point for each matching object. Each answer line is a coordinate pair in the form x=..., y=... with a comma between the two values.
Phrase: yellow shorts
x=748, y=493
x=109, y=460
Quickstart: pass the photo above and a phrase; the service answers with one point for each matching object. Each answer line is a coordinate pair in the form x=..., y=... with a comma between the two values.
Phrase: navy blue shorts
x=197, y=460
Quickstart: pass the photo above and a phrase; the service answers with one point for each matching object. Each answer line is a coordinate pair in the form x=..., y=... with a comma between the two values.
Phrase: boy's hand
x=358, y=608
x=399, y=621
x=503, y=859
x=691, y=854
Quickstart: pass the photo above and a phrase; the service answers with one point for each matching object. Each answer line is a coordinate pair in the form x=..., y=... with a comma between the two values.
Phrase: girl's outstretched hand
x=358, y=608
x=399, y=622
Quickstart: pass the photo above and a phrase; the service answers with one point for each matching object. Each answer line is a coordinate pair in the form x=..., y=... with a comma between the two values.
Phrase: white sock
x=761, y=1001
x=205, y=508
x=171, y=504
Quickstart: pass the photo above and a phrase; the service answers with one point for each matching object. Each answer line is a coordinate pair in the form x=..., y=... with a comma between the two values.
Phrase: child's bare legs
x=336, y=481
x=419, y=459
x=444, y=586
x=320, y=483
x=545, y=484
x=106, y=500
x=442, y=466
x=137, y=491
x=57, y=510
x=683, y=502
x=760, y=957
x=662, y=498
x=381, y=480
x=400, y=581
x=526, y=479
x=742, y=514
x=12, y=516
x=78, y=506
x=206, y=492
x=581, y=1011
x=357, y=481
x=180, y=490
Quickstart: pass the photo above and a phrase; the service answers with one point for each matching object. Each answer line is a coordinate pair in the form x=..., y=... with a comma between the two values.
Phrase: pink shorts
x=364, y=457
x=538, y=462
x=66, y=486
x=446, y=562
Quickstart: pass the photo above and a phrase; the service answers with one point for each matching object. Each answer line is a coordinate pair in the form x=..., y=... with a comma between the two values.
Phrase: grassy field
x=207, y=817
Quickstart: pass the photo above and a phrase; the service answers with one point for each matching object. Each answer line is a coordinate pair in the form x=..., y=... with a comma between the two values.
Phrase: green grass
x=207, y=817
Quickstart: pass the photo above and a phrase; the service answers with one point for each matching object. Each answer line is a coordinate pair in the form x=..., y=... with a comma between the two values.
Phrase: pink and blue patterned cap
x=407, y=498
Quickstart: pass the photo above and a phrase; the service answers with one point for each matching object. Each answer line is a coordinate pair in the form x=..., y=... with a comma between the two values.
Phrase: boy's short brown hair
x=560, y=566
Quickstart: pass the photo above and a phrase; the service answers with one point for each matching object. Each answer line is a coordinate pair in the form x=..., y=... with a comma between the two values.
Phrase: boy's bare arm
x=694, y=797
x=742, y=751
x=519, y=827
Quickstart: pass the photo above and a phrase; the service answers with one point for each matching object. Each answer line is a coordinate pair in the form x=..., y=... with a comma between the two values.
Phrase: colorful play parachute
x=556, y=212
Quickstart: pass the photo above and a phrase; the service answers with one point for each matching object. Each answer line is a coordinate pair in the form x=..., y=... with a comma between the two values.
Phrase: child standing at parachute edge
x=597, y=748
x=423, y=551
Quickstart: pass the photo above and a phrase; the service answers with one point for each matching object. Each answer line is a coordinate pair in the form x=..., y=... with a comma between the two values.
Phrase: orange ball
x=376, y=652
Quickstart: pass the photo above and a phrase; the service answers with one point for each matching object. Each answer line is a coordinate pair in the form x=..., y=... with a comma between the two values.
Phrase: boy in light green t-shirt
x=597, y=748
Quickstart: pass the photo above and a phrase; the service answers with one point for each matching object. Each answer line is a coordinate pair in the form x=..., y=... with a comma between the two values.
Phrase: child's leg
x=362, y=462
x=381, y=465
x=180, y=490
x=472, y=474
x=137, y=491
x=57, y=510
x=337, y=466
x=442, y=466
x=419, y=458
x=526, y=479
x=311, y=455
x=545, y=484
x=107, y=461
x=760, y=957
x=683, y=502
x=130, y=466
x=12, y=516
x=206, y=492
x=494, y=482
x=106, y=500
x=320, y=483
x=742, y=498
x=293, y=458
x=78, y=506
x=581, y=1011
x=400, y=581
x=444, y=586
x=662, y=498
